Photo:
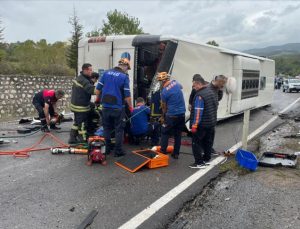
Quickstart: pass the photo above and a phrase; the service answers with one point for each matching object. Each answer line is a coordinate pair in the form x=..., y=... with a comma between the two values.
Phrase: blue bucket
x=246, y=159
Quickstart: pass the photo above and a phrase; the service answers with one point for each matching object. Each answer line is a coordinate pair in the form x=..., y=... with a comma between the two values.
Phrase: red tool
x=96, y=149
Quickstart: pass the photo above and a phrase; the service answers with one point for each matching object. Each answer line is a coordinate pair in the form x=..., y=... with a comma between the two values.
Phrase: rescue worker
x=203, y=122
x=193, y=92
x=140, y=125
x=173, y=112
x=82, y=90
x=45, y=104
x=115, y=91
x=216, y=85
x=94, y=117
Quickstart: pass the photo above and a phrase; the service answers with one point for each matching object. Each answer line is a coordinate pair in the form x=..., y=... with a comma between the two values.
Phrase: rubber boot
x=108, y=147
x=73, y=137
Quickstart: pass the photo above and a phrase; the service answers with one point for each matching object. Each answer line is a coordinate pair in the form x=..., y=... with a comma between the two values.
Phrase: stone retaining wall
x=16, y=92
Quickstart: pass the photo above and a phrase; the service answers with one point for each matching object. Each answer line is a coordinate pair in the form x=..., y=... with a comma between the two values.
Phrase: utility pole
x=245, y=129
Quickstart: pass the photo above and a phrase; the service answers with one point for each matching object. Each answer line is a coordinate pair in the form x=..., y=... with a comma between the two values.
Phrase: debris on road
x=270, y=159
x=88, y=220
x=246, y=159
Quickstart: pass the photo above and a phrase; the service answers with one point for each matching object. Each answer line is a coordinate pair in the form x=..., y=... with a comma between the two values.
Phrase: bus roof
x=130, y=38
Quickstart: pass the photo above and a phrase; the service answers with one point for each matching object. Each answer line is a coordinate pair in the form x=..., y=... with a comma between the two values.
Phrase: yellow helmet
x=125, y=61
x=163, y=76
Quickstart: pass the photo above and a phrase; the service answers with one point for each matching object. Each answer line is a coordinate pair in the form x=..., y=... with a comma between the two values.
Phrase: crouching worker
x=173, y=108
x=82, y=90
x=45, y=103
x=140, y=126
x=203, y=122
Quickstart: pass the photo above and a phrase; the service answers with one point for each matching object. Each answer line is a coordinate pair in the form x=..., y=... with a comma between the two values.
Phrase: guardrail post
x=245, y=129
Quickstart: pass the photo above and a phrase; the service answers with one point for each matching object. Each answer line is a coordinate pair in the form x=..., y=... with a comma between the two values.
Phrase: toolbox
x=271, y=159
x=157, y=159
x=143, y=158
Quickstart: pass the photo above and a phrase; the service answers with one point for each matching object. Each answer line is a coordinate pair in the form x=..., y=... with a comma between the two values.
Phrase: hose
x=25, y=152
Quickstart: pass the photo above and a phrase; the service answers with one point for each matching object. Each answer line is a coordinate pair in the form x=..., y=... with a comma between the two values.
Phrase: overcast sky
x=233, y=24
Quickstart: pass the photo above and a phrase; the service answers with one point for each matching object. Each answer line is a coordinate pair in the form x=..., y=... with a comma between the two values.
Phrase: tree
x=1, y=31
x=2, y=51
x=72, y=54
x=94, y=33
x=119, y=23
x=213, y=42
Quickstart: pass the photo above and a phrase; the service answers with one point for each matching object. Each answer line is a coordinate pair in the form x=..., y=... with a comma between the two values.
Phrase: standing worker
x=203, y=122
x=82, y=90
x=216, y=85
x=115, y=91
x=45, y=103
x=173, y=113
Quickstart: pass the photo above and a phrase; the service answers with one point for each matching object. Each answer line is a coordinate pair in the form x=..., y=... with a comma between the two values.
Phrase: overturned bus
x=251, y=76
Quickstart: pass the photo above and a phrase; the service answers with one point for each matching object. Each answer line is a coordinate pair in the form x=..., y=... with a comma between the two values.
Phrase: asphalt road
x=59, y=191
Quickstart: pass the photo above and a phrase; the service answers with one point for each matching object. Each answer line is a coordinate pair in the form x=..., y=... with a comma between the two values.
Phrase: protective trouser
x=94, y=119
x=173, y=126
x=80, y=125
x=113, y=122
x=202, y=144
x=152, y=132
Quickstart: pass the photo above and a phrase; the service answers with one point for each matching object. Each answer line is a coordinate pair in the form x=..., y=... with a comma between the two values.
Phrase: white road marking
x=169, y=196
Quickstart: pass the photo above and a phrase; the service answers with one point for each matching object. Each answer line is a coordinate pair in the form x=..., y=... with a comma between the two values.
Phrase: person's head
x=59, y=93
x=140, y=101
x=161, y=48
x=163, y=77
x=124, y=64
x=87, y=69
x=198, y=82
x=219, y=81
x=94, y=76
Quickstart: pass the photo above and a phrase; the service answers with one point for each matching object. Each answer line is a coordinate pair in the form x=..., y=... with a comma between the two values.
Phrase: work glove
x=194, y=129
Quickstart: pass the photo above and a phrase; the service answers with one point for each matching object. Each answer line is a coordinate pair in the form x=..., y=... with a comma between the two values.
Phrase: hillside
x=287, y=57
x=286, y=49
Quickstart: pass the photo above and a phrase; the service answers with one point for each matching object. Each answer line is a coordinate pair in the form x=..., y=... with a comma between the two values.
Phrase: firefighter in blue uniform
x=113, y=87
x=82, y=90
x=140, y=125
x=173, y=108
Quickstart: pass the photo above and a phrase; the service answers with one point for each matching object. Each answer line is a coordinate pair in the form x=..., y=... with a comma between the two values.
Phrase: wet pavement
x=266, y=198
x=59, y=191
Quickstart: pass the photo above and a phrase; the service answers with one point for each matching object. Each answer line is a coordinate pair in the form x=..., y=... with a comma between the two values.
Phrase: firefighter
x=173, y=108
x=115, y=91
x=82, y=90
x=203, y=122
x=45, y=103
x=94, y=117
